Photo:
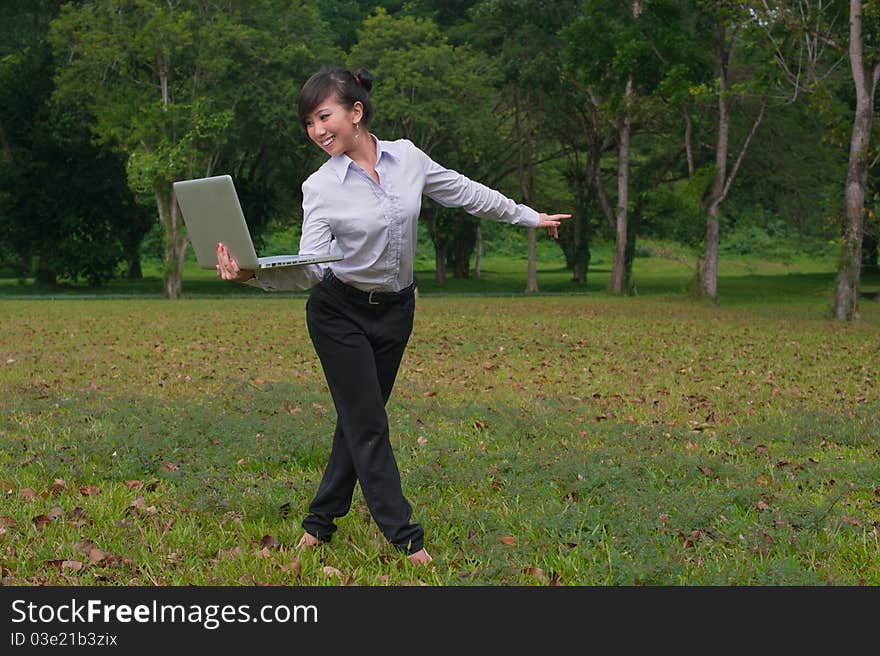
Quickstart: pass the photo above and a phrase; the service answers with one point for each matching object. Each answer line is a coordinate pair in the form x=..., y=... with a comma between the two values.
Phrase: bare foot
x=420, y=557
x=307, y=541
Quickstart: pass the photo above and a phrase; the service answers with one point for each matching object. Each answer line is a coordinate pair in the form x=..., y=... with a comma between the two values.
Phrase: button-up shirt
x=374, y=225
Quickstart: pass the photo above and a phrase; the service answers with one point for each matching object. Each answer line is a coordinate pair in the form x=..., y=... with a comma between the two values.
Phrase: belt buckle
x=371, y=301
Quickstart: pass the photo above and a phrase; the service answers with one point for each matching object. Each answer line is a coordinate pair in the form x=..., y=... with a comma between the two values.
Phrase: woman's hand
x=227, y=267
x=551, y=222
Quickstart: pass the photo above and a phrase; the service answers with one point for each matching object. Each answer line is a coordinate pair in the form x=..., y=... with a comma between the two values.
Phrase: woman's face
x=332, y=126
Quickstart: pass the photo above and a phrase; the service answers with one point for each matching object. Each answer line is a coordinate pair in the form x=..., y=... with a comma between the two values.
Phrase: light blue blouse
x=374, y=226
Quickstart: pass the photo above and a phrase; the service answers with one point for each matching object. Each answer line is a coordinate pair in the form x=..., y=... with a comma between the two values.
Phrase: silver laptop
x=213, y=214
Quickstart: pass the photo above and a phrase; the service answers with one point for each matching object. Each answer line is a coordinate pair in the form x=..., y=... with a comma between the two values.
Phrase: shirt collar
x=341, y=163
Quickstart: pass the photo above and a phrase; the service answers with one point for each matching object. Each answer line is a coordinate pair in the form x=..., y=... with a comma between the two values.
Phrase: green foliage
x=449, y=75
x=422, y=84
x=674, y=211
x=607, y=43
x=172, y=85
x=65, y=210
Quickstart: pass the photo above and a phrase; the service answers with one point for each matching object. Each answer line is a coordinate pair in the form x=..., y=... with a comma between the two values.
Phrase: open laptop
x=213, y=214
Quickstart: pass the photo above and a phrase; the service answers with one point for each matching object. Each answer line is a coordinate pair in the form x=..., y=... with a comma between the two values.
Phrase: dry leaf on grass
x=96, y=556
x=78, y=517
x=140, y=506
x=270, y=542
x=41, y=520
x=229, y=553
x=537, y=573
x=72, y=565
x=294, y=566
x=56, y=488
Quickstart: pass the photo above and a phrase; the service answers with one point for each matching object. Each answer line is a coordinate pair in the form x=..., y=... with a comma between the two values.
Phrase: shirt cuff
x=526, y=216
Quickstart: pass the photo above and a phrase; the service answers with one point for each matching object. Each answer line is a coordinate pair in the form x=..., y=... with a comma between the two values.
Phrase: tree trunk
x=580, y=264
x=478, y=257
x=618, y=266
x=175, y=238
x=532, y=277
x=134, y=271
x=709, y=277
x=580, y=268
x=688, y=142
x=594, y=164
x=630, y=256
x=44, y=275
x=431, y=216
x=463, y=238
x=5, y=150
x=132, y=254
x=461, y=258
x=440, y=263
x=846, y=294
x=526, y=184
x=709, y=273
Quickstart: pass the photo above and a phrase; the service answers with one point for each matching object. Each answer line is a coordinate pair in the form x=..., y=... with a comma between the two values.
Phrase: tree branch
x=745, y=147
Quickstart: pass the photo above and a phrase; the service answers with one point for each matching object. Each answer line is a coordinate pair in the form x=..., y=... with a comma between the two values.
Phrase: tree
x=729, y=22
x=622, y=57
x=803, y=37
x=65, y=209
x=864, y=59
x=168, y=80
x=524, y=37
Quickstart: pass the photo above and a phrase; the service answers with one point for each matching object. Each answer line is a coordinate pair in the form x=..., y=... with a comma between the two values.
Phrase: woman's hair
x=348, y=87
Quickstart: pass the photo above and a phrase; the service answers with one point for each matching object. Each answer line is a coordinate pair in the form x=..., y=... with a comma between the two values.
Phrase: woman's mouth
x=326, y=143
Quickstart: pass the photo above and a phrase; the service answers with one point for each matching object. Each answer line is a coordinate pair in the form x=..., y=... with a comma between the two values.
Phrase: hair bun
x=363, y=77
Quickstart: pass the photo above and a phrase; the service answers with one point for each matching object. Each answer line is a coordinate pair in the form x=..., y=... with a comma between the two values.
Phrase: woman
x=365, y=201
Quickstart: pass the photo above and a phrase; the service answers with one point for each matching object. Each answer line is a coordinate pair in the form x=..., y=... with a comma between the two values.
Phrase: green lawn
x=579, y=439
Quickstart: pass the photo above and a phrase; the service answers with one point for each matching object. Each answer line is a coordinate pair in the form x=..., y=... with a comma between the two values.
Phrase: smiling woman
x=365, y=202
x=333, y=109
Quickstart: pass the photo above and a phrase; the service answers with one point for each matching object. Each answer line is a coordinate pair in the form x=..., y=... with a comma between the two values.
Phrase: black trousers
x=360, y=339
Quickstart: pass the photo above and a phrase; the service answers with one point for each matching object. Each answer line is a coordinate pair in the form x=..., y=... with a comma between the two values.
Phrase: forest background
x=704, y=128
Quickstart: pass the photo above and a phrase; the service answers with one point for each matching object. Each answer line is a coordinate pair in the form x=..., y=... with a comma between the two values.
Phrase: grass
x=573, y=439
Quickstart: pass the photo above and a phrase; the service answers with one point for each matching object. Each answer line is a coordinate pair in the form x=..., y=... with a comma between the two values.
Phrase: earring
x=357, y=130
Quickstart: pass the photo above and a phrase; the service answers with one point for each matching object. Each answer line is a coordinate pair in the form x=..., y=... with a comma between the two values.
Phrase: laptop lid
x=213, y=214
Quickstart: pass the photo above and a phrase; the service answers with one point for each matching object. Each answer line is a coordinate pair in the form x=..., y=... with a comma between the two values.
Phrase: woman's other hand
x=227, y=267
x=551, y=222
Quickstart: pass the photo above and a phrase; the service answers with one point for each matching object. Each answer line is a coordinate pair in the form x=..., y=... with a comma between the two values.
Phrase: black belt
x=370, y=298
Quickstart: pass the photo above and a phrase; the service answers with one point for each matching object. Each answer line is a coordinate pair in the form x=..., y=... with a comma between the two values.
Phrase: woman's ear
x=357, y=111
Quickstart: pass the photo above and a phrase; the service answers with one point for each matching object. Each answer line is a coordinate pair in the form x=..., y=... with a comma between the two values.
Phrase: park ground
x=569, y=437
